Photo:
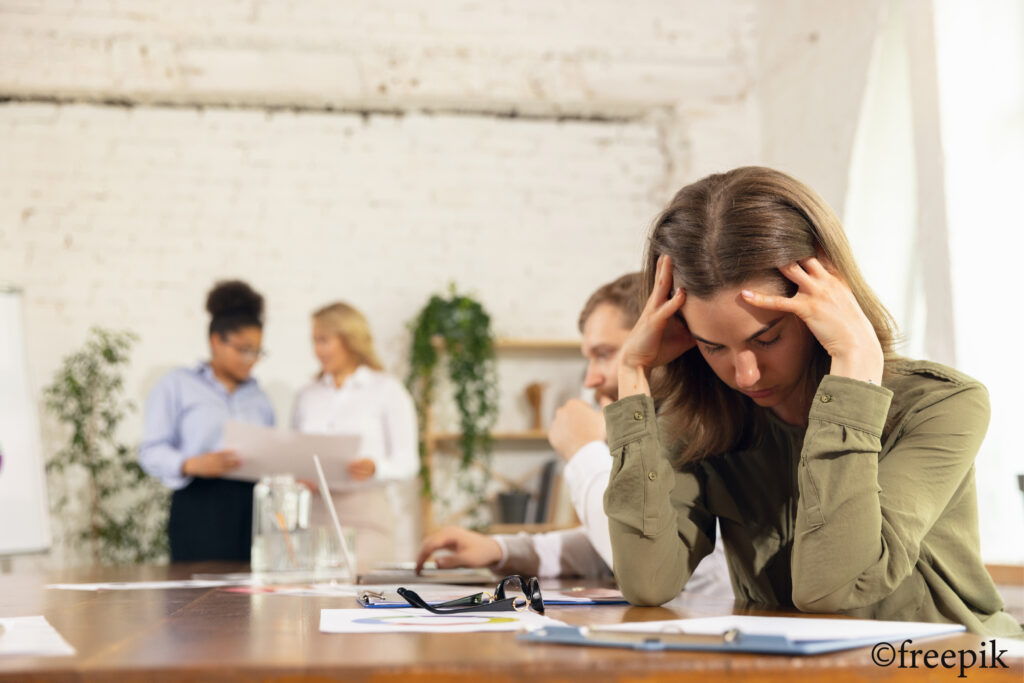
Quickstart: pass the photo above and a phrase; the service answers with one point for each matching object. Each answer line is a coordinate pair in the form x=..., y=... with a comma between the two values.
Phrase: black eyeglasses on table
x=514, y=592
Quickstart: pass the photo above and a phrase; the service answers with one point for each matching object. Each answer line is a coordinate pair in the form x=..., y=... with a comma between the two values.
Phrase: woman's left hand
x=825, y=303
x=361, y=470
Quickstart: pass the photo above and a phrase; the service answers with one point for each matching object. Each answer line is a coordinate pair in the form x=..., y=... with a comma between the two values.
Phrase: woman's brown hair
x=722, y=232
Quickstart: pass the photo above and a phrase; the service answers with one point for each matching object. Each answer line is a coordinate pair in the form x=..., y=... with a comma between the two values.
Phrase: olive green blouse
x=869, y=511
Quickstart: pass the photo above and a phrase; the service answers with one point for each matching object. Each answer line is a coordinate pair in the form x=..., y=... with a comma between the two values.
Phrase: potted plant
x=512, y=506
x=126, y=511
x=458, y=326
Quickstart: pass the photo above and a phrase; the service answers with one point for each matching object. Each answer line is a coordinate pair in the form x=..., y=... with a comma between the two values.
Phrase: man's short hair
x=623, y=293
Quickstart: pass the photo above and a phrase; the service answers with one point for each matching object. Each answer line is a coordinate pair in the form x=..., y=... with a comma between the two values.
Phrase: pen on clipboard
x=325, y=493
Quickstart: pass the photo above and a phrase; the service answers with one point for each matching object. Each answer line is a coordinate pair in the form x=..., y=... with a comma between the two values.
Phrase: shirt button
x=638, y=416
x=652, y=475
x=826, y=398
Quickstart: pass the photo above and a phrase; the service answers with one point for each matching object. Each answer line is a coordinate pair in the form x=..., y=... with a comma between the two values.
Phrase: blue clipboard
x=733, y=640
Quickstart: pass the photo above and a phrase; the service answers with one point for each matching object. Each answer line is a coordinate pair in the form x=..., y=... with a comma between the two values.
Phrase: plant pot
x=512, y=507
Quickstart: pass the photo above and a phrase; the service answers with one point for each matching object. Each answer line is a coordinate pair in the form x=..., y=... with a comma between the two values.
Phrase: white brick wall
x=358, y=150
x=124, y=217
x=536, y=56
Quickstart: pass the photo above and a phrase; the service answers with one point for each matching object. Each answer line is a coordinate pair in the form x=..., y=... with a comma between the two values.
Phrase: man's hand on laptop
x=465, y=549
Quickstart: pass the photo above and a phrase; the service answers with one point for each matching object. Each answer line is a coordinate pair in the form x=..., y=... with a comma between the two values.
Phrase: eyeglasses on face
x=247, y=352
x=514, y=592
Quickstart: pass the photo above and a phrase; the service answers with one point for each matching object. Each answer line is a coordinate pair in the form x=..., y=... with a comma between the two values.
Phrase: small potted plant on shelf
x=512, y=506
x=458, y=326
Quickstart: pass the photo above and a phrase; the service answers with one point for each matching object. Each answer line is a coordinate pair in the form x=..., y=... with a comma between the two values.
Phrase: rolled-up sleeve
x=659, y=525
x=586, y=477
x=860, y=521
x=566, y=552
x=159, y=454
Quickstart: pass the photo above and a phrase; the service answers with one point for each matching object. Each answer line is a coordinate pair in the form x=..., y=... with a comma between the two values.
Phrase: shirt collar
x=362, y=376
x=206, y=372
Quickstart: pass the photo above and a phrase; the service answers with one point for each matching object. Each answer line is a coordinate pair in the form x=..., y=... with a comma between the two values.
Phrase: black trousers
x=211, y=519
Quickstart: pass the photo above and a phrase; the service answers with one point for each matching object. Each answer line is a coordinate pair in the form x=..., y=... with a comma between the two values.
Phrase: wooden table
x=212, y=634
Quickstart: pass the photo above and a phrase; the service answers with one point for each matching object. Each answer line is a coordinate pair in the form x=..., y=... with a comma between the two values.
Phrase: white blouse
x=372, y=404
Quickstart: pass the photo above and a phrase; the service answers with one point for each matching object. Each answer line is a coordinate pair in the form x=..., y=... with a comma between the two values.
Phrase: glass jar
x=281, y=536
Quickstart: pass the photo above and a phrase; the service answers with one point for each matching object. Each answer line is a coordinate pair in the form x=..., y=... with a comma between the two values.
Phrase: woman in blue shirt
x=211, y=517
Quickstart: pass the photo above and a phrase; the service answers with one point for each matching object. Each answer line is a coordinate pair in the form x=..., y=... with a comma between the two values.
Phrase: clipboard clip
x=367, y=597
x=648, y=639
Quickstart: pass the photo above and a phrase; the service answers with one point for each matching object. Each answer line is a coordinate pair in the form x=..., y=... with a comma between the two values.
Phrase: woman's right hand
x=659, y=336
x=210, y=465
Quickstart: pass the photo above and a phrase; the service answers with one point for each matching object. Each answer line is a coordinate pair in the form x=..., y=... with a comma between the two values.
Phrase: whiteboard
x=24, y=516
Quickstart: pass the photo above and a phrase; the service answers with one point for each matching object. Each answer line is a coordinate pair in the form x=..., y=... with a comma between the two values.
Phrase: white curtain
x=980, y=50
x=934, y=212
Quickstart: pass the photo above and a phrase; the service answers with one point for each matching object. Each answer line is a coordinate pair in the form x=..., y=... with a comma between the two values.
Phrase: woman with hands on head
x=211, y=517
x=842, y=475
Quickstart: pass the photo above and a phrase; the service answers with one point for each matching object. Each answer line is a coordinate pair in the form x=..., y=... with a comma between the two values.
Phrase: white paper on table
x=795, y=629
x=318, y=590
x=421, y=621
x=140, y=585
x=32, y=636
x=265, y=450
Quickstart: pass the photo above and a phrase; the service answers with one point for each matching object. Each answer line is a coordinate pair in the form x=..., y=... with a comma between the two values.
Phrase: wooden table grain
x=210, y=634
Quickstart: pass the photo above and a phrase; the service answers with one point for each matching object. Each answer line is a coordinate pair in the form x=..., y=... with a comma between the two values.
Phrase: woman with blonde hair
x=841, y=474
x=353, y=395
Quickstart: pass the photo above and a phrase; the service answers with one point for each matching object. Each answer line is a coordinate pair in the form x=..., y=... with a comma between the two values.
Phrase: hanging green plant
x=126, y=511
x=460, y=327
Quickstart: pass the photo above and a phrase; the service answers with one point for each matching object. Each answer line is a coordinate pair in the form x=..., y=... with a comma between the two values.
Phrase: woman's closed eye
x=763, y=343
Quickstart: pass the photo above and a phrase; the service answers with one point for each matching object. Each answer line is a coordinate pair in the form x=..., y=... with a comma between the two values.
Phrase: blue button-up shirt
x=185, y=416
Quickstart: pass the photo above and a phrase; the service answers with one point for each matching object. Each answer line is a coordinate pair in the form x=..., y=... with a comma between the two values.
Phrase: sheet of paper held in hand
x=265, y=450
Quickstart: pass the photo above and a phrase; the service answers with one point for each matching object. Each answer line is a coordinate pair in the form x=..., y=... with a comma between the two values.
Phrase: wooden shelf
x=1006, y=574
x=537, y=345
x=528, y=435
x=529, y=441
x=512, y=344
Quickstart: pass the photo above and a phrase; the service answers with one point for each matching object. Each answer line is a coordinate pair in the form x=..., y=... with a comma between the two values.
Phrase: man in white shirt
x=578, y=435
